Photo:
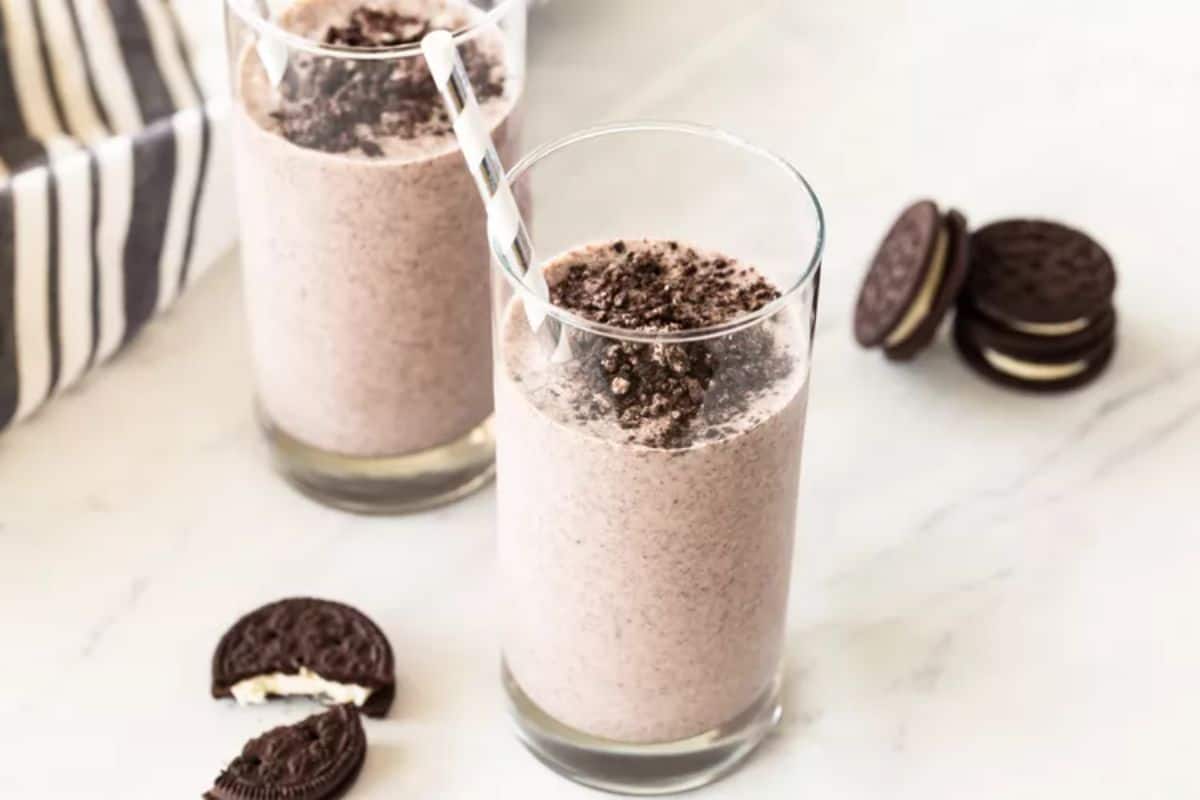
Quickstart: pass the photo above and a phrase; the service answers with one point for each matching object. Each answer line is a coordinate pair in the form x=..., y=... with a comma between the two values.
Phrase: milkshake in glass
x=364, y=244
x=650, y=420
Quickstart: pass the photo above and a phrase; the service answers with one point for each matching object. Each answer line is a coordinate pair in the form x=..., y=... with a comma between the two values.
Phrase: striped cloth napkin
x=115, y=186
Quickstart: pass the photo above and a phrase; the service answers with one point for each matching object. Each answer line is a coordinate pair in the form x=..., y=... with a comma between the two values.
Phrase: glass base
x=387, y=485
x=642, y=769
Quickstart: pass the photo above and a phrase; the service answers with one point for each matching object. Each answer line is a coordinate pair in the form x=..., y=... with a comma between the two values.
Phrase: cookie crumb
x=340, y=104
x=664, y=392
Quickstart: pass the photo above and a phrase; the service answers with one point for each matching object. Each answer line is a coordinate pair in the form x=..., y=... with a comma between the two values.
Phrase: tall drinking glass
x=363, y=241
x=650, y=419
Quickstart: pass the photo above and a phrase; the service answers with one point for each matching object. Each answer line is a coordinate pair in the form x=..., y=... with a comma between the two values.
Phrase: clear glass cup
x=364, y=248
x=645, y=579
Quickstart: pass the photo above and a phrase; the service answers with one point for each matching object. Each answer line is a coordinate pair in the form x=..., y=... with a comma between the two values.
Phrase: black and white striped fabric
x=114, y=186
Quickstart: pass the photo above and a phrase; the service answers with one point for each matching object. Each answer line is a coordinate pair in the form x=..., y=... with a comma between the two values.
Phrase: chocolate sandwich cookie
x=315, y=759
x=306, y=647
x=1034, y=363
x=1037, y=310
x=1039, y=277
x=914, y=279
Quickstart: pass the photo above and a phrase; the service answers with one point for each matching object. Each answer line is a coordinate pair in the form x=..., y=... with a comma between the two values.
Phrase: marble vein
x=123, y=607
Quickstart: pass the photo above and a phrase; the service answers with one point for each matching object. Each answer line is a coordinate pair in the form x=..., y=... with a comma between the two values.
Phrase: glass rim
x=741, y=322
x=266, y=26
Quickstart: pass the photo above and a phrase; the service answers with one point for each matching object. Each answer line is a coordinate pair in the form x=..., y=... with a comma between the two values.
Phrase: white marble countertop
x=995, y=595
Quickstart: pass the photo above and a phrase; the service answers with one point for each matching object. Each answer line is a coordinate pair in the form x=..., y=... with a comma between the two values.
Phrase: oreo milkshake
x=364, y=246
x=647, y=495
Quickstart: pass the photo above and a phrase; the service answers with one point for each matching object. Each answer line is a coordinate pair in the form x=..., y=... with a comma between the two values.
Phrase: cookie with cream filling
x=914, y=278
x=1034, y=362
x=1039, y=278
x=303, y=646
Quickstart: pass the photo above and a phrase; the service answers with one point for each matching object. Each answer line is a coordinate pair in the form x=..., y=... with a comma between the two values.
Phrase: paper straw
x=506, y=228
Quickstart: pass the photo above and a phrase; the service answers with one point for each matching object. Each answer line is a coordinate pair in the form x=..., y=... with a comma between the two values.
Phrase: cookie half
x=1038, y=277
x=914, y=278
x=303, y=646
x=1034, y=363
x=318, y=758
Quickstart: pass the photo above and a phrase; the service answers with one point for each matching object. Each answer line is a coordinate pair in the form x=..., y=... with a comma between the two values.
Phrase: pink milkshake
x=365, y=253
x=647, y=497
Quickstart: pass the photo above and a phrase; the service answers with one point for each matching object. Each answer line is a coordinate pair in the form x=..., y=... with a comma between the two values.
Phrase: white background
x=995, y=595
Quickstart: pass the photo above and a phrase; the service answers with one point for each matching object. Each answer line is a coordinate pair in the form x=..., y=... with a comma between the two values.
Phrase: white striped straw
x=271, y=51
x=509, y=235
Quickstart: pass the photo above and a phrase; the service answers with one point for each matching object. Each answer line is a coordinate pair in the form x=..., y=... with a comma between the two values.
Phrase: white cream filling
x=923, y=303
x=1032, y=371
x=1048, y=328
x=308, y=683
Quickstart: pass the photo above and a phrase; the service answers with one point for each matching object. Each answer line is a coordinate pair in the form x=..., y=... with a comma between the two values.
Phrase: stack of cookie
x=1034, y=298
